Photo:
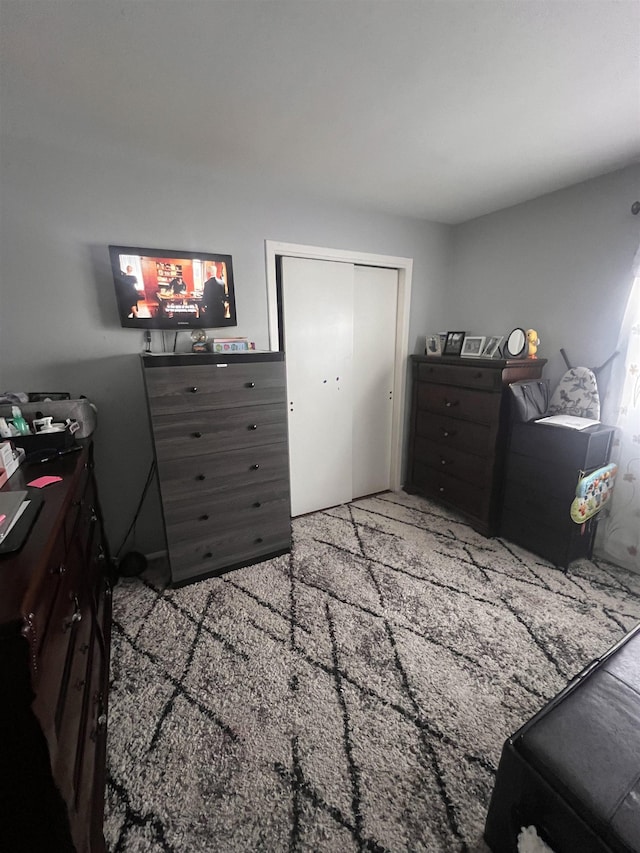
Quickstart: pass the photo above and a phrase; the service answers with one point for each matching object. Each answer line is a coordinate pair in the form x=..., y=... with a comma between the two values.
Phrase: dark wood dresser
x=543, y=466
x=55, y=628
x=458, y=431
x=219, y=424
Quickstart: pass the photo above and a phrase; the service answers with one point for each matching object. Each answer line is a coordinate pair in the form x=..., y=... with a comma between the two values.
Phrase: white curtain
x=619, y=533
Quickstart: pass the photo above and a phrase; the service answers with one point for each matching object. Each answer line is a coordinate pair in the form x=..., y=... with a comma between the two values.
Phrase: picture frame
x=492, y=346
x=453, y=343
x=433, y=345
x=472, y=346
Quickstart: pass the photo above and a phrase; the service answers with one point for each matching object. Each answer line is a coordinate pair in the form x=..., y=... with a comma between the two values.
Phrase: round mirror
x=516, y=343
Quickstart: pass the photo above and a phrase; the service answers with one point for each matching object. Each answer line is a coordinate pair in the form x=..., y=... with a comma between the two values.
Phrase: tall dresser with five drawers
x=219, y=424
x=459, y=431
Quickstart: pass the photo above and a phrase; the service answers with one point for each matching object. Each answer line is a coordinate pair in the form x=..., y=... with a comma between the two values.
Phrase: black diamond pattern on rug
x=351, y=696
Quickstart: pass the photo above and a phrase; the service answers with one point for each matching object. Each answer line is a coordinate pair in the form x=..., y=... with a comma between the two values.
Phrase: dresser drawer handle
x=448, y=433
x=252, y=426
x=193, y=389
x=201, y=477
x=197, y=435
x=258, y=540
x=58, y=570
x=479, y=375
x=441, y=489
x=449, y=403
x=257, y=504
x=204, y=517
x=76, y=616
x=445, y=461
x=255, y=466
x=250, y=385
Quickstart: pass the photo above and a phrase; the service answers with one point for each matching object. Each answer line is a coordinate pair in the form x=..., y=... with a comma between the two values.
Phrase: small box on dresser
x=219, y=424
x=458, y=431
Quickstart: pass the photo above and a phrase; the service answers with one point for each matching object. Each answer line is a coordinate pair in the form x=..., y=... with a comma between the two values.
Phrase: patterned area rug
x=351, y=696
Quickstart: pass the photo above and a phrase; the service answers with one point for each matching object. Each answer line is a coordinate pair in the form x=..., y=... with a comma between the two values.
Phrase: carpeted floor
x=353, y=695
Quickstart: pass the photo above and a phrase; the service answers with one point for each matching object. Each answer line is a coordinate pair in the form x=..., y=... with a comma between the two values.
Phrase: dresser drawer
x=54, y=659
x=92, y=743
x=468, y=377
x=195, y=507
x=461, y=435
x=38, y=621
x=180, y=388
x=560, y=544
x=244, y=467
x=222, y=525
x=539, y=504
x=201, y=433
x=70, y=705
x=478, y=406
x=581, y=449
x=464, y=496
x=477, y=470
x=210, y=554
x=77, y=503
x=542, y=478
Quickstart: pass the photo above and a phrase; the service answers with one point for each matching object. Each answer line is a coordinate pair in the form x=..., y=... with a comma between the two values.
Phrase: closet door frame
x=404, y=266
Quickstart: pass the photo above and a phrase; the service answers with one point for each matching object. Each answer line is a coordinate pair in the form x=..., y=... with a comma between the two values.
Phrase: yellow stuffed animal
x=533, y=342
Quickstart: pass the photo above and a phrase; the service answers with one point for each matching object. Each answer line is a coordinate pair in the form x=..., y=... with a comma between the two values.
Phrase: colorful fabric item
x=592, y=493
x=576, y=394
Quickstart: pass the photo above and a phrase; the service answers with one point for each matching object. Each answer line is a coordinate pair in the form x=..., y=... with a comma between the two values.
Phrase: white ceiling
x=442, y=110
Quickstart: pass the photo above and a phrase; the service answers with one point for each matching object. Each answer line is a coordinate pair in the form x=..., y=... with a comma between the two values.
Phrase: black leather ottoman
x=573, y=771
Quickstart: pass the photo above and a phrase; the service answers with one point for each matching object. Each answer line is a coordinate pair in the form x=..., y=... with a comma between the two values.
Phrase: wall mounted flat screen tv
x=172, y=289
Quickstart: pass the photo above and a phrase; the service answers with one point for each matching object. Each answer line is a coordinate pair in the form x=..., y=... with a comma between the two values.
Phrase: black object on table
x=543, y=466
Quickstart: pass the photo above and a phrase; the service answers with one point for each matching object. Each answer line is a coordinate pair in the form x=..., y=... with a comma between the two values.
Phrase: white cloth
x=619, y=534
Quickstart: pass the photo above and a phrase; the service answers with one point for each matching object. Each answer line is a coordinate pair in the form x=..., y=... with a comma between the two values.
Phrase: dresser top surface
x=489, y=363
x=191, y=359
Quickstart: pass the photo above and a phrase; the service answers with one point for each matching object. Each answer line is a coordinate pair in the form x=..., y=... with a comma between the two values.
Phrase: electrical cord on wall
x=137, y=512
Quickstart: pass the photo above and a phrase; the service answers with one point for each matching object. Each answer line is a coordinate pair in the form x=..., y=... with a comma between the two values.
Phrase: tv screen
x=167, y=289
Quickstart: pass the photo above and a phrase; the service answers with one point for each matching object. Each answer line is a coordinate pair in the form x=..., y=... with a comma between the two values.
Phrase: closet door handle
x=250, y=385
x=197, y=435
x=252, y=426
x=193, y=389
x=255, y=466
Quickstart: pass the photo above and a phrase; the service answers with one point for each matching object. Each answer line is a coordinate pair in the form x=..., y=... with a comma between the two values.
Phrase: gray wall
x=560, y=264
x=61, y=207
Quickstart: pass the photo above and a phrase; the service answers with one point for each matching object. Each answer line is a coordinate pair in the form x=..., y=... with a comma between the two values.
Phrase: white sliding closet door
x=375, y=303
x=339, y=338
x=317, y=304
